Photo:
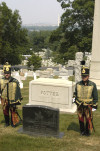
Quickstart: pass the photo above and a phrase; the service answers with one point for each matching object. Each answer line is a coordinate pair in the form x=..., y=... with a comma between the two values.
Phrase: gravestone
x=50, y=70
x=56, y=93
x=15, y=73
x=30, y=74
x=1, y=74
x=34, y=76
x=45, y=74
x=78, y=59
x=71, y=63
x=70, y=72
x=95, y=59
x=56, y=73
x=41, y=121
x=19, y=80
x=63, y=74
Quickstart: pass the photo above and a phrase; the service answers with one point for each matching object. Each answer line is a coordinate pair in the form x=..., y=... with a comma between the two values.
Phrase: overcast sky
x=36, y=11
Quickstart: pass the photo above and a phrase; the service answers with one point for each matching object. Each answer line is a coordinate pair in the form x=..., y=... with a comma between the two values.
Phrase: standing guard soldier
x=86, y=98
x=10, y=96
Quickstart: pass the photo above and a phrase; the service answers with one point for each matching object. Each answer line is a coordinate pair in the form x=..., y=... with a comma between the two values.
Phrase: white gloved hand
x=73, y=100
x=93, y=109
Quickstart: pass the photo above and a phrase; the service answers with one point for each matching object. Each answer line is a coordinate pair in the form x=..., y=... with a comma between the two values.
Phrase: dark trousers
x=6, y=111
x=12, y=110
x=85, y=118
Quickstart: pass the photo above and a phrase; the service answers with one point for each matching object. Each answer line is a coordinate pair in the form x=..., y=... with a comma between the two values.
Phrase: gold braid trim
x=11, y=89
x=95, y=104
x=84, y=94
x=16, y=102
x=84, y=103
x=85, y=100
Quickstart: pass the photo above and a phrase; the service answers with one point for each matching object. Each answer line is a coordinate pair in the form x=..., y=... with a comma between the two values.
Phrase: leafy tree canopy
x=39, y=40
x=75, y=31
x=34, y=61
x=13, y=39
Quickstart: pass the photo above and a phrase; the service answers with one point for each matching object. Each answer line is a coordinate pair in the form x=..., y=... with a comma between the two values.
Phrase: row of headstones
x=50, y=72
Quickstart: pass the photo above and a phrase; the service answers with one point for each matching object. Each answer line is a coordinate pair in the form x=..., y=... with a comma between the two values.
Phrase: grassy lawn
x=11, y=140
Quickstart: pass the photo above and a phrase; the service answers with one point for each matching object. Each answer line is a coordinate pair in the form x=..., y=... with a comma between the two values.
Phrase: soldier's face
x=7, y=75
x=85, y=78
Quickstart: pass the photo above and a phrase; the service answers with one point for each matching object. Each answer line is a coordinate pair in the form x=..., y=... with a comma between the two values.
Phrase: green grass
x=11, y=140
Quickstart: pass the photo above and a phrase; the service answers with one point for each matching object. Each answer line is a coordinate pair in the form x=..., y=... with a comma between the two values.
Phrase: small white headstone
x=34, y=76
x=25, y=74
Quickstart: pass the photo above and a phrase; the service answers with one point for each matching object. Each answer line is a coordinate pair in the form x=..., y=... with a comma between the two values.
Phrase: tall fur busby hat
x=7, y=68
x=84, y=71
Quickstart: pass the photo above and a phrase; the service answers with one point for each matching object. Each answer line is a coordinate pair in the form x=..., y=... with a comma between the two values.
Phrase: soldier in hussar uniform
x=86, y=98
x=10, y=96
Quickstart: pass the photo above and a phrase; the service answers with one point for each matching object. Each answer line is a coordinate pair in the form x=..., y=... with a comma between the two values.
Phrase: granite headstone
x=41, y=121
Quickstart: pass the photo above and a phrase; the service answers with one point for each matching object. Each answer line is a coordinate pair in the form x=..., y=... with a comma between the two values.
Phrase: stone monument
x=95, y=60
x=41, y=121
x=56, y=93
x=77, y=66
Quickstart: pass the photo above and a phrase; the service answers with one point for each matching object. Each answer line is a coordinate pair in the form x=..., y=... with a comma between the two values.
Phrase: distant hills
x=40, y=27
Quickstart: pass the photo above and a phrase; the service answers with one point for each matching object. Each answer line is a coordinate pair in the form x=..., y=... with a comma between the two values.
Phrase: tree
x=34, y=61
x=75, y=31
x=13, y=39
x=39, y=40
x=0, y=28
x=48, y=54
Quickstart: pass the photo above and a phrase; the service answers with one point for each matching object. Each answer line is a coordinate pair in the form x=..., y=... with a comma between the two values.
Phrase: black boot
x=87, y=129
x=6, y=120
x=82, y=128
